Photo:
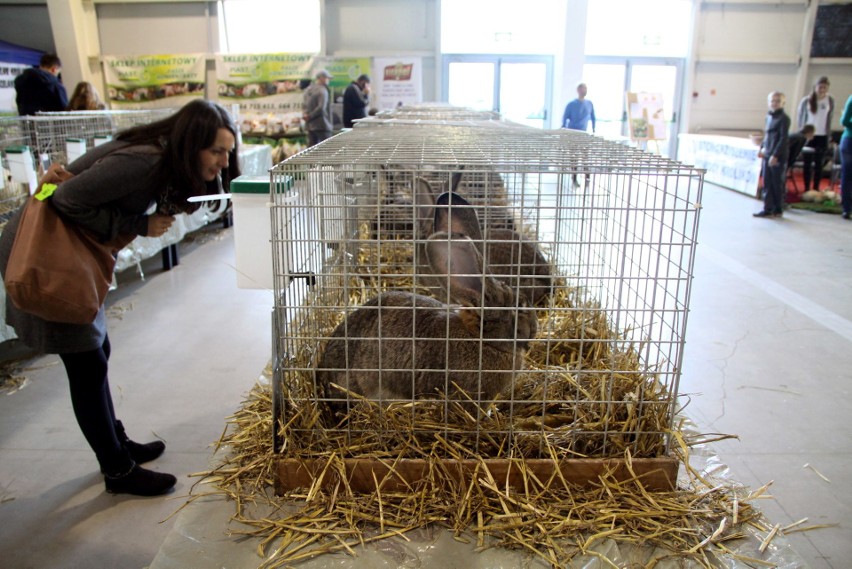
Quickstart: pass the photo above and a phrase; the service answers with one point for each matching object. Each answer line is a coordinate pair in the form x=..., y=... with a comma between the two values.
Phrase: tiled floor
x=767, y=357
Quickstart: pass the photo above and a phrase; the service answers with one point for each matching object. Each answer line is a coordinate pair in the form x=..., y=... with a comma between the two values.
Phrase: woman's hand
x=159, y=224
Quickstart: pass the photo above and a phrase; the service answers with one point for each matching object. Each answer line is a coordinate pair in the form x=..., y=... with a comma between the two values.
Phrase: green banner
x=145, y=81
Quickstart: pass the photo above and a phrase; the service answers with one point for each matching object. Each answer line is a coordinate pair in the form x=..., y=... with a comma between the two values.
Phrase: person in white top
x=816, y=109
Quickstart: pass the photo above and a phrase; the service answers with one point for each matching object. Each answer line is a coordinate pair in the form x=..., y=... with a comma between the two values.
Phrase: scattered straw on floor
x=555, y=414
x=550, y=519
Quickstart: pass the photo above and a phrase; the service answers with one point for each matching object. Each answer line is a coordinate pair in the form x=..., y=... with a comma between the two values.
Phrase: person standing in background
x=816, y=109
x=774, y=152
x=579, y=112
x=85, y=98
x=356, y=98
x=316, y=109
x=39, y=89
x=577, y=116
x=846, y=160
x=797, y=141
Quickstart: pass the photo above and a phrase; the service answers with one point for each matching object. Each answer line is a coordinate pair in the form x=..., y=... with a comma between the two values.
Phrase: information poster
x=153, y=81
x=397, y=81
x=269, y=89
x=646, y=116
x=729, y=161
x=8, y=72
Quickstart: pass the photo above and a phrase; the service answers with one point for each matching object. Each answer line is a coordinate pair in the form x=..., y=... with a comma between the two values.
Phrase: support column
x=75, y=33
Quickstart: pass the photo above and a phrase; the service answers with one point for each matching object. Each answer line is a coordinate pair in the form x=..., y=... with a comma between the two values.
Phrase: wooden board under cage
x=366, y=475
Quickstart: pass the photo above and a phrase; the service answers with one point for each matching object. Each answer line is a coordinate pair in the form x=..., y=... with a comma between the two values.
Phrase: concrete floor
x=767, y=358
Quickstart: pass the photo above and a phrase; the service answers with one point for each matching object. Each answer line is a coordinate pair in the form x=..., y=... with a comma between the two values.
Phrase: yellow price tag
x=45, y=192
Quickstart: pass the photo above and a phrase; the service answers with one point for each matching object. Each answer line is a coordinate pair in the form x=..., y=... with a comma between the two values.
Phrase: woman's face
x=822, y=90
x=215, y=158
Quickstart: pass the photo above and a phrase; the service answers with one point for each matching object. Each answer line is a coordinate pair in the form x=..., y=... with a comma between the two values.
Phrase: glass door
x=518, y=87
x=610, y=78
x=605, y=84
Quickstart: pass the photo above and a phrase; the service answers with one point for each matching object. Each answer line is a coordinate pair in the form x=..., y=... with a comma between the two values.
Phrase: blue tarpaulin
x=11, y=53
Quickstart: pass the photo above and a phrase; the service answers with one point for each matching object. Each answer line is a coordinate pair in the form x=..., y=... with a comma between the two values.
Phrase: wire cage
x=433, y=114
x=57, y=137
x=460, y=292
x=15, y=132
x=52, y=132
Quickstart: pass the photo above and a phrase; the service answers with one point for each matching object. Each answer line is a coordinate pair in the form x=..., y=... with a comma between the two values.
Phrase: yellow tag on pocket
x=45, y=192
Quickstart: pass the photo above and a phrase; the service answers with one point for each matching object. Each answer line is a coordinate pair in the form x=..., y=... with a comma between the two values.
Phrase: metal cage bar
x=616, y=226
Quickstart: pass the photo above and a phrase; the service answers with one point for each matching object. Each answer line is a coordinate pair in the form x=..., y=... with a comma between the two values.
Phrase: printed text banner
x=153, y=81
x=268, y=88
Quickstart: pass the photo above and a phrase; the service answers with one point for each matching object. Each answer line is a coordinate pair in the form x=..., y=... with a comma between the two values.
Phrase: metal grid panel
x=14, y=131
x=615, y=226
x=46, y=135
x=52, y=130
x=433, y=114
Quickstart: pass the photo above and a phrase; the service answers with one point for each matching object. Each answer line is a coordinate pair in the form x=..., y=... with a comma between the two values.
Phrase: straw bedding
x=570, y=395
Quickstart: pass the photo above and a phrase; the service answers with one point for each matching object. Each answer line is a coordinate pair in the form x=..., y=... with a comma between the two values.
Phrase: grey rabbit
x=513, y=259
x=401, y=345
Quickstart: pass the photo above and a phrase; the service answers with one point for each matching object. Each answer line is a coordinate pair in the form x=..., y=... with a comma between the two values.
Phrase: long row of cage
x=28, y=143
x=511, y=293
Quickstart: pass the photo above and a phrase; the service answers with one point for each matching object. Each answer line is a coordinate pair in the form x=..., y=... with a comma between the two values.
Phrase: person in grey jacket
x=774, y=151
x=113, y=187
x=316, y=109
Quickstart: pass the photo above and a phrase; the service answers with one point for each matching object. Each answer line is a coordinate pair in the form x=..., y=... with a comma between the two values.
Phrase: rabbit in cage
x=510, y=257
x=401, y=345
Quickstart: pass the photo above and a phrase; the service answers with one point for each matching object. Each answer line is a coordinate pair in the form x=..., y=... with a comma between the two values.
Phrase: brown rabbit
x=405, y=346
x=510, y=257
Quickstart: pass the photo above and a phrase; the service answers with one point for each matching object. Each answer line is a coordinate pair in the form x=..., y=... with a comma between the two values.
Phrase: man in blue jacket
x=39, y=89
x=578, y=113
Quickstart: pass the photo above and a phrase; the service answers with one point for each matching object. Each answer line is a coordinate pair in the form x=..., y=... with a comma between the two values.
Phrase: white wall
x=381, y=28
x=745, y=50
x=27, y=25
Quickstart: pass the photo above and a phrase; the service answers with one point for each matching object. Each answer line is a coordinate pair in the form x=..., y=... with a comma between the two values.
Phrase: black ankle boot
x=139, y=452
x=139, y=482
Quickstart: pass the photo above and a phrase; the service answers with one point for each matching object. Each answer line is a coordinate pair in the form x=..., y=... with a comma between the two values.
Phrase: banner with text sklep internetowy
x=268, y=87
x=153, y=81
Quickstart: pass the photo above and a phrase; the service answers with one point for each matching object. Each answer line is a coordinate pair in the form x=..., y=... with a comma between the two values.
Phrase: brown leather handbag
x=57, y=270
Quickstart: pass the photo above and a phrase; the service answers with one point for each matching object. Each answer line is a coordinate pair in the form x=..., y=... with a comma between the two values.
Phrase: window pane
x=471, y=85
x=605, y=85
x=522, y=97
x=639, y=27
x=269, y=26
x=655, y=79
x=502, y=26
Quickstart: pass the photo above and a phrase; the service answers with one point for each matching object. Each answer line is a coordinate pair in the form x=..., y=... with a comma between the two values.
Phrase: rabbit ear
x=456, y=180
x=453, y=214
x=457, y=256
x=424, y=200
